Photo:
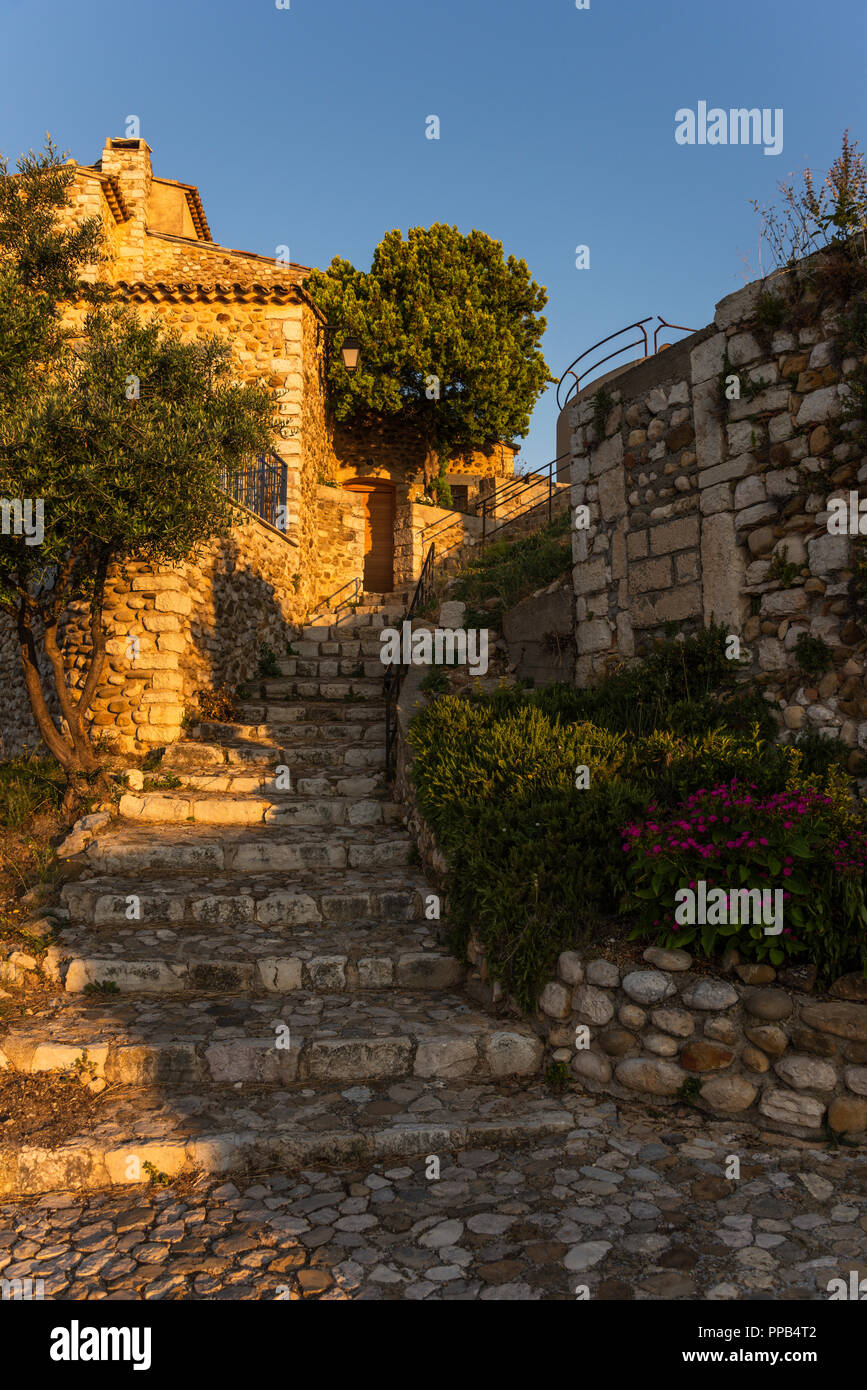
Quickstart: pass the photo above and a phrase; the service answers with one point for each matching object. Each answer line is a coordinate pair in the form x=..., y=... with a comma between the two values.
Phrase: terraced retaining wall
x=696, y=501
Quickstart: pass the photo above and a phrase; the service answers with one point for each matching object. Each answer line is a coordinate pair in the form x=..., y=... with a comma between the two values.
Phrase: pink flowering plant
x=732, y=837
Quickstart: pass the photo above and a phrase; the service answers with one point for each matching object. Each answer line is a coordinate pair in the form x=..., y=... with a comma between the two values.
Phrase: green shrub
x=783, y=570
x=436, y=682
x=603, y=402
x=684, y=687
x=813, y=655
x=534, y=860
x=268, y=665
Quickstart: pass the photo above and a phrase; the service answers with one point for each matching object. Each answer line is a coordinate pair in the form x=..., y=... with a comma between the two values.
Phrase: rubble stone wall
x=707, y=508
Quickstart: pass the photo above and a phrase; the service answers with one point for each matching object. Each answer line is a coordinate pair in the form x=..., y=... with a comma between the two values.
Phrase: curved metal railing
x=636, y=342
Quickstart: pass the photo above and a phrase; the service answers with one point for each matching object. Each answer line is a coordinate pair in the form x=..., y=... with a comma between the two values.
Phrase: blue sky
x=306, y=127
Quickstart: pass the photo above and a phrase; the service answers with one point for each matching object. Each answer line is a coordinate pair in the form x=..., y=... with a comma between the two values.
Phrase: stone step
x=305, y=781
x=281, y=808
x=255, y=1128
x=135, y=848
x=329, y=668
x=324, y=688
x=304, y=756
x=279, y=731
x=363, y=726
x=252, y=959
x=353, y=623
x=318, y=896
x=343, y=649
x=326, y=1039
x=350, y=626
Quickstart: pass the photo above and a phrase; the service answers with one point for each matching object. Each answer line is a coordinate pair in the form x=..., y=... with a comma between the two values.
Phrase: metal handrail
x=396, y=670
x=522, y=483
x=357, y=586
x=513, y=494
x=637, y=342
x=639, y=323
x=662, y=324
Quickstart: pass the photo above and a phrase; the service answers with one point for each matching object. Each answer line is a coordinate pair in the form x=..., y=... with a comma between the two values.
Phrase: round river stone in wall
x=617, y=1042
x=728, y=1094
x=667, y=960
x=705, y=1056
x=591, y=1066
x=856, y=1080
x=647, y=986
x=571, y=968
x=604, y=973
x=769, y=1038
x=793, y=1109
x=676, y=1021
x=710, y=994
x=632, y=1017
x=593, y=1005
x=770, y=1004
x=722, y=1030
x=754, y=1059
x=806, y=1073
x=847, y=1116
x=654, y=1078
x=757, y=974
x=555, y=1000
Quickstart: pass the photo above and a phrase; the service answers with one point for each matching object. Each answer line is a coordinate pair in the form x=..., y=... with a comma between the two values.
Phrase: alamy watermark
x=737, y=126
x=443, y=647
x=721, y=906
x=847, y=519
x=22, y=1290
x=22, y=516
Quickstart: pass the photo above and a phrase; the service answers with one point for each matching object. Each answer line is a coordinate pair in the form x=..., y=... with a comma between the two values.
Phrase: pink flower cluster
x=850, y=856
x=698, y=825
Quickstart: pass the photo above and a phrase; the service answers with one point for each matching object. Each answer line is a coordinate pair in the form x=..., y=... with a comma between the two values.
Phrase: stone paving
x=629, y=1204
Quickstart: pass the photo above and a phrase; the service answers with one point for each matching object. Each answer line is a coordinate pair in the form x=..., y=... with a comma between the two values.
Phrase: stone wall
x=171, y=631
x=339, y=554
x=391, y=449
x=746, y=1043
x=695, y=501
x=417, y=526
x=541, y=636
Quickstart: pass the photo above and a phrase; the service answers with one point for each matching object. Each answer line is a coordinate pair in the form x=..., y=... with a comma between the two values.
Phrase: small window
x=460, y=496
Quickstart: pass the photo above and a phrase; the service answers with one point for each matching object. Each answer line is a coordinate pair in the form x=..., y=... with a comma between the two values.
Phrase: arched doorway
x=379, y=506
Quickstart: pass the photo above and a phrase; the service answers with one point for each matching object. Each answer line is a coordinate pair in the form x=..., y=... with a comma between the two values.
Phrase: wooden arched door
x=379, y=506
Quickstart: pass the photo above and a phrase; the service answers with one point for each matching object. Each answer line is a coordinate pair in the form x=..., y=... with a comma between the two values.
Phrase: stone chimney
x=129, y=161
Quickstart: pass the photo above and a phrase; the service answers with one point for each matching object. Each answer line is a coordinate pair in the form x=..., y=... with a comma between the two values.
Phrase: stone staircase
x=247, y=963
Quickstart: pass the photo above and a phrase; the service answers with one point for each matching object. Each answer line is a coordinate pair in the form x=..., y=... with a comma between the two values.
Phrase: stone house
x=331, y=507
x=162, y=258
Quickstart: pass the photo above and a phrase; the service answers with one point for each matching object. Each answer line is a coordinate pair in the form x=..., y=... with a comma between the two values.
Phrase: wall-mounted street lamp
x=350, y=349
x=351, y=352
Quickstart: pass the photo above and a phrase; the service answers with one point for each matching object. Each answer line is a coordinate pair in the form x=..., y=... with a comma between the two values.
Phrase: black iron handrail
x=516, y=490
x=357, y=587
x=396, y=670
x=637, y=342
x=522, y=483
x=639, y=323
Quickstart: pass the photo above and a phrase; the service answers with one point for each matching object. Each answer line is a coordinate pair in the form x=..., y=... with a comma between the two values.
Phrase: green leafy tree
x=450, y=334
x=114, y=436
